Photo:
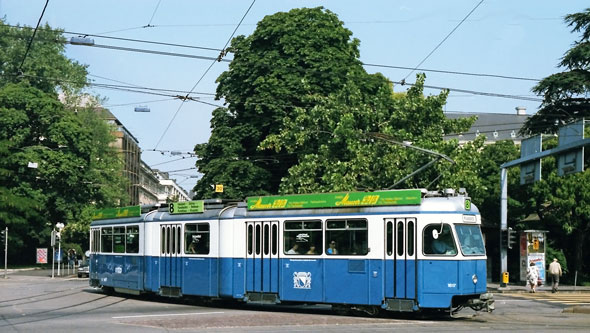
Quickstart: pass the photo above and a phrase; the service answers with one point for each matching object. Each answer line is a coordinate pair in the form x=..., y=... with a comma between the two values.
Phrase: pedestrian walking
x=532, y=276
x=555, y=271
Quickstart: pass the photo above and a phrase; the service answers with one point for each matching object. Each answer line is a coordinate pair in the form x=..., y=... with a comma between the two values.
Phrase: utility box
x=532, y=249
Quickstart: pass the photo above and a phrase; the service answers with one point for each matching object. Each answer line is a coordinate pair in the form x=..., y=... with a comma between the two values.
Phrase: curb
x=577, y=309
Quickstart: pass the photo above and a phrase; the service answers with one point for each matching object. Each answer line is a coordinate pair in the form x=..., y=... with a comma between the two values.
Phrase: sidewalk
x=515, y=288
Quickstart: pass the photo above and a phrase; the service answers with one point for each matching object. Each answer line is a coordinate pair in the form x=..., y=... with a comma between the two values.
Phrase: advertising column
x=532, y=249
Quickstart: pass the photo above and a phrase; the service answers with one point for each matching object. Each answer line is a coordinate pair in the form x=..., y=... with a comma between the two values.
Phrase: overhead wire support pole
x=503, y=220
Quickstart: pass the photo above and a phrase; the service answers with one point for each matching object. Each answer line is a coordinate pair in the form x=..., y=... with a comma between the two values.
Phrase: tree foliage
x=562, y=202
x=45, y=67
x=338, y=151
x=50, y=165
x=565, y=94
x=73, y=168
x=290, y=56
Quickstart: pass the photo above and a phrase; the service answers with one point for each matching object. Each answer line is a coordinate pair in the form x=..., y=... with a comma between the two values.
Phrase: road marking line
x=167, y=315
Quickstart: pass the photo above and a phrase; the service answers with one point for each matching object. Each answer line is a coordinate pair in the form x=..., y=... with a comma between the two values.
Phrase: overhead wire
x=173, y=54
x=454, y=72
x=20, y=68
x=219, y=50
x=220, y=58
x=473, y=92
x=121, y=38
x=444, y=39
x=154, y=14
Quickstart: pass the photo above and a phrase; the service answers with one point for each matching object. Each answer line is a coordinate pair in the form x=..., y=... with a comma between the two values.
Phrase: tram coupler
x=485, y=302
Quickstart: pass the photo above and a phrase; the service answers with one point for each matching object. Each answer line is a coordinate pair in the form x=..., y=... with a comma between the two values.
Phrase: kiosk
x=532, y=249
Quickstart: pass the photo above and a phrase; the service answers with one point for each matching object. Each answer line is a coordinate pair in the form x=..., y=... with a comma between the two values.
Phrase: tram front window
x=438, y=240
x=470, y=239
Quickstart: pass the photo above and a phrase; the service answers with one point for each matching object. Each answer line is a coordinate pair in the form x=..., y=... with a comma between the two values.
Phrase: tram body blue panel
x=376, y=276
x=120, y=271
x=231, y=277
x=200, y=277
x=439, y=282
x=152, y=276
x=467, y=269
x=350, y=275
x=302, y=280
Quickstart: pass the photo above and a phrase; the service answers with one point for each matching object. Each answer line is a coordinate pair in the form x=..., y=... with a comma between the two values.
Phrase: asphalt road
x=33, y=302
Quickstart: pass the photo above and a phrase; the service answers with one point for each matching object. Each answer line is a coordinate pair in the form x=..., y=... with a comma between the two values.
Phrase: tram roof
x=238, y=210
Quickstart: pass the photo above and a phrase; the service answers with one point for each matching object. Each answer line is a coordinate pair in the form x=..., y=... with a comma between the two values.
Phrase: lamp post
x=59, y=227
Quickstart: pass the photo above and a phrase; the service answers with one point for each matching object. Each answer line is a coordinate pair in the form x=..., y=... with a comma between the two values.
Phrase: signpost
x=41, y=256
x=187, y=207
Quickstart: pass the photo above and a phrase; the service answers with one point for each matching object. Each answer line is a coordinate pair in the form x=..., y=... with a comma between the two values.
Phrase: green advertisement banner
x=334, y=200
x=114, y=213
x=187, y=207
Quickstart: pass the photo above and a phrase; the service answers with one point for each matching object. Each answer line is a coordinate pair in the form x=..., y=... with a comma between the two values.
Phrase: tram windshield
x=470, y=239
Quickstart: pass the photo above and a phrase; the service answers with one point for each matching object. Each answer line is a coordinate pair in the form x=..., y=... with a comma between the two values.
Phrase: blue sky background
x=512, y=38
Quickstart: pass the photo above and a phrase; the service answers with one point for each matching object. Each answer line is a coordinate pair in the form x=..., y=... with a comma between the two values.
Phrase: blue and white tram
x=379, y=251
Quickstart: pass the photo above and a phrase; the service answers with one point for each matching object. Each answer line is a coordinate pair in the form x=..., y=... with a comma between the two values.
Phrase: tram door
x=400, y=258
x=170, y=259
x=262, y=257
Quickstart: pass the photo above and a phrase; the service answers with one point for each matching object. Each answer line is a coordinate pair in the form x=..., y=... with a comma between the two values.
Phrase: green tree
x=565, y=94
x=562, y=202
x=290, y=56
x=45, y=67
x=338, y=152
x=37, y=130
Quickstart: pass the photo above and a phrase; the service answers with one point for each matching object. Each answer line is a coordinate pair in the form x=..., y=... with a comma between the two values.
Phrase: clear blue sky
x=512, y=38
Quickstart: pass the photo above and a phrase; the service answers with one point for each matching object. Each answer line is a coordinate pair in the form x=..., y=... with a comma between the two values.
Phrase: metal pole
x=6, y=253
x=59, y=254
x=503, y=219
x=53, y=263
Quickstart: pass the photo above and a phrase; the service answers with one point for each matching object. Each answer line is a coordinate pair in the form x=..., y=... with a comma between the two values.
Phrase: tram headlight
x=474, y=278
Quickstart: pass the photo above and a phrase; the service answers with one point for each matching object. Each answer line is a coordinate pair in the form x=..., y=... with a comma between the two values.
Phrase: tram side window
x=438, y=240
x=302, y=237
x=196, y=238
x=95, y=240
x=347, y=237
x=119, y=239
x=106, y=240
x=132, y=239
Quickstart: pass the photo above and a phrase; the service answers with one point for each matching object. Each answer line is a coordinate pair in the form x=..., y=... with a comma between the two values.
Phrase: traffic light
x=511, y=238
x=2, y=237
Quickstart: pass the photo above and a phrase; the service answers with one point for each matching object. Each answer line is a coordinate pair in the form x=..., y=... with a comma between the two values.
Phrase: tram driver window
x=439, y=240
x=196, y=238
x=347, y=237
x=302, y=237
